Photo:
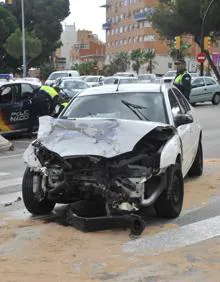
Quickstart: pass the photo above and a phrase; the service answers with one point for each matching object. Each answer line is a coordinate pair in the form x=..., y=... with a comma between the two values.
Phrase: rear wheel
x=216, y=99
x=32, y=204
x=197, y=166
x=170, y=202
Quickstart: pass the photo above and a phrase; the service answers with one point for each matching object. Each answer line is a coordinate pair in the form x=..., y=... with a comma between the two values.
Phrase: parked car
x=60, y=74
x=125, y=74
x=69, y=87
x=168, y=77
x=145, y=78
x=123, y=80
x=94, y=80
x=127, y=147
x=205, y=89
x=15, y=105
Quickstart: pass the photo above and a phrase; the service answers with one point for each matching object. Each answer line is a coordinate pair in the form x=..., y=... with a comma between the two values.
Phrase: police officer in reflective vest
x=43, y=103
x=183, y=79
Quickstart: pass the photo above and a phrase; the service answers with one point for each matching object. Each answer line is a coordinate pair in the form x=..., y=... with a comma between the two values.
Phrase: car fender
x=170, y=152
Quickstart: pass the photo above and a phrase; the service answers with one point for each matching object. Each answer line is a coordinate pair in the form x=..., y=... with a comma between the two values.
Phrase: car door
x=183, y=131
x=194, y=128
x=198, y=91
x=8, y=108
x=212, y=88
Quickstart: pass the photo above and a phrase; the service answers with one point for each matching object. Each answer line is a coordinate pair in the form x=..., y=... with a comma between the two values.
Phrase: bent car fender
x=170, y=152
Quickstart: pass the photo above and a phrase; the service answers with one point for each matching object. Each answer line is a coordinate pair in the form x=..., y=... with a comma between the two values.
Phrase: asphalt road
x=197, y=226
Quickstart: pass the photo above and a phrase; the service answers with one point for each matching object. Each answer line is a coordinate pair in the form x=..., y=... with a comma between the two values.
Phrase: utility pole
x=23, y=40
x=202, y=32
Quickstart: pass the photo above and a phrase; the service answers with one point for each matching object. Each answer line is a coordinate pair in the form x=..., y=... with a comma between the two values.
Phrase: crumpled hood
x=92, y=136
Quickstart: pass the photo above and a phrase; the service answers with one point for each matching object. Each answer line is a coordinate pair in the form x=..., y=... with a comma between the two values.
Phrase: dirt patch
x=42, y=251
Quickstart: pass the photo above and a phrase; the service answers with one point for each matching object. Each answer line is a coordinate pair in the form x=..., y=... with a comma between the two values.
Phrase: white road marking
x=177, y=238
x=11, y=156
x=10, y=182
x=4, y=174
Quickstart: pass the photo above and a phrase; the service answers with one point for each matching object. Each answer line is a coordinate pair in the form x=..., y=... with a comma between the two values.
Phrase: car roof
x=21, y=81
x=124, y=88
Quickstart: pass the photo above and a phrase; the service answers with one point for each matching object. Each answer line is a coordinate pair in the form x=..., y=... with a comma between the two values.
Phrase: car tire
x=216, y=99
x=32, y=204
x=170, y=202
x=197, y=166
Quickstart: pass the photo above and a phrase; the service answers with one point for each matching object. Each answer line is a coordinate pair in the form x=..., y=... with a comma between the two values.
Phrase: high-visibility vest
x=50, y=90
x=64, y=104
x=179, y=78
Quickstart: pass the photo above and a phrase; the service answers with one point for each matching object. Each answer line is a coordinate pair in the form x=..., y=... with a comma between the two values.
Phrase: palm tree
x=137, y=56
x=149, y=57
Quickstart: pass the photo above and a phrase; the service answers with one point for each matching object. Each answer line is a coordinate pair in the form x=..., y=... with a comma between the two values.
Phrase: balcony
x=143, y=16
x=106, y=26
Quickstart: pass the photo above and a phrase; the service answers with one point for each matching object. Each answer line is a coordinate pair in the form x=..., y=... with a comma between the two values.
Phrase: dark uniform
x=43, y=103
x=183, y=80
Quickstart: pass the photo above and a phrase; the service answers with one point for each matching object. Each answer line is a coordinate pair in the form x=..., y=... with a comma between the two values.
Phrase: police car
x=15, y=96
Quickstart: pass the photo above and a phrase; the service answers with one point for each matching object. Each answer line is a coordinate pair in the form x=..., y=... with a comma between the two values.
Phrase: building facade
x=88, y=47
x=64, y=59
x=128, y=27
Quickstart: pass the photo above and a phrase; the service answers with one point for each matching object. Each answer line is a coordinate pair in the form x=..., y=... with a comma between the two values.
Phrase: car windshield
x=91, y=79
x=131, y=106
x=171, y=73
x=71, y=84
x=54, y=76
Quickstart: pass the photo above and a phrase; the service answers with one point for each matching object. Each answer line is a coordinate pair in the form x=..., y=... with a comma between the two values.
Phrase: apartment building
x=128, y=27
x=88, y=47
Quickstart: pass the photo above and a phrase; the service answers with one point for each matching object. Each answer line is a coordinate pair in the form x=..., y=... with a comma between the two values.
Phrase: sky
x=88, y=15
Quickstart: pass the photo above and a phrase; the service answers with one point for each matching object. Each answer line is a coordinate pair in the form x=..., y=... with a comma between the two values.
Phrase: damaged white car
x=130, y=146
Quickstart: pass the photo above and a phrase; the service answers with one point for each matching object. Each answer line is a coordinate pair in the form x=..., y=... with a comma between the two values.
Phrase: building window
x=149, y=37
x=125, y=28
x=116, y=43
x=121, y=16
x=129, y=40
x=108, y=32
x=141, y=38
x=121, y=42
x=130, y=27
x=116, y=19
x=116, y=31
x=125, y=41
x=113, y=44
x=121, y=29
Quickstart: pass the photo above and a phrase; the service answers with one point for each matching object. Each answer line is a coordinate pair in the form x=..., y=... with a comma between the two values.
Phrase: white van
x=60, y=74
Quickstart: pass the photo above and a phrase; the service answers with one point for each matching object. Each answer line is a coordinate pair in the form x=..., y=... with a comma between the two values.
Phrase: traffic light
x=207, y=42
x=10, y=2
x=177, y=41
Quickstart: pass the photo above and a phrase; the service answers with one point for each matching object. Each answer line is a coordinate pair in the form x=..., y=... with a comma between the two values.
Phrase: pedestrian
x=183, y=79
x=44, y=102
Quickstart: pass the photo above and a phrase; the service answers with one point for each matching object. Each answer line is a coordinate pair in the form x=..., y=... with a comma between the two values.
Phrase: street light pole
x=23, y=40
x=202, y=32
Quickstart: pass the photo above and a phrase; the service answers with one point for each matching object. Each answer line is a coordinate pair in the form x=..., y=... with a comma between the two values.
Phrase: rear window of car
x=54, y=76
x=131, y=106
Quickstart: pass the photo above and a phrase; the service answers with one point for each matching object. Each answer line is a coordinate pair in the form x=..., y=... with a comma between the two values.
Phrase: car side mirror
x=182, y=119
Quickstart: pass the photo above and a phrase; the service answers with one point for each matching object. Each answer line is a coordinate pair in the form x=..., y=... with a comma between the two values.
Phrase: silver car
x=205, y=89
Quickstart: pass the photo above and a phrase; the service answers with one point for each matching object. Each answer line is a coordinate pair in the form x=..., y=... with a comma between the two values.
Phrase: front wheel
x=32, y=204
x=170, y=202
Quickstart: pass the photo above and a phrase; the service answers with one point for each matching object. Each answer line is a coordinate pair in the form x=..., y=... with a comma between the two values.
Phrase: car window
x=209, y=81
x=182, y=101
x=151, y=105
x=6, y=94
x=175, y=107
x=198, y=82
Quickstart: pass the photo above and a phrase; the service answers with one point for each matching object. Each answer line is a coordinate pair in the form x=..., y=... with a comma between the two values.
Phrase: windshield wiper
x=136, y=110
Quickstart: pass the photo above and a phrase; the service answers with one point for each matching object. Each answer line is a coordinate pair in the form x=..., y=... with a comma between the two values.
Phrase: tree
x=137, y=56
x=121, y=61
x=8, y=25
x=44, y=18
x=174, y=18
x=149, y=57
x=183, y=52
x=13, y=45
x=86, y=68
